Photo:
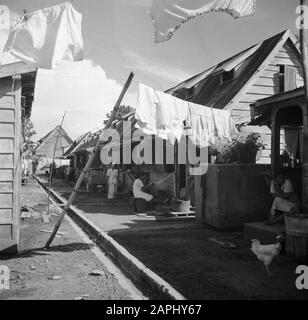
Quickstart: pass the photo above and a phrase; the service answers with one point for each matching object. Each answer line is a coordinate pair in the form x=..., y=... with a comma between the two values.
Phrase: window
x=227, y=76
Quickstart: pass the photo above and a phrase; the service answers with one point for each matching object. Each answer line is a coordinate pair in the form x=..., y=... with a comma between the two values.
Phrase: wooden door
x=10, y=166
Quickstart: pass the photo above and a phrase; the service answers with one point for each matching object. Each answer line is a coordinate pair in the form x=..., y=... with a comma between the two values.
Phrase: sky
x=118, y=38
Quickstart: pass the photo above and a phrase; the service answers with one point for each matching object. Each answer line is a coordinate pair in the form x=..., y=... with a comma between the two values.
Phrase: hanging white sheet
x=45, y=37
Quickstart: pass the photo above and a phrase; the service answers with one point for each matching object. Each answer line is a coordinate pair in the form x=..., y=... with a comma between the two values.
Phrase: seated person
x=285, y=199
x=139, y=189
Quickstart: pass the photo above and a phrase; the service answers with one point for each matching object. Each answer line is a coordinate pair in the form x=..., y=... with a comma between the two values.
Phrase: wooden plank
x=267, y=81
x=6, y=101
x=6, y=130
x=263, y=90
x=6, y=161
x=6, y=186
x=17, y=68
x=7, y=116
x=6, y=145
x=6, y=215
x=6, y=231
x=6, y=175
x=6, y=200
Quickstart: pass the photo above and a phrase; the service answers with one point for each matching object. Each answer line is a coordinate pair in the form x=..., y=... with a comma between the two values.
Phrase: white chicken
x=267, y=253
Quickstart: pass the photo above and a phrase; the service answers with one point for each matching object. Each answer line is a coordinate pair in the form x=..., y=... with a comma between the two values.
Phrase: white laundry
x=201, y=124
x=169, y=15
x=146, y=110
x=171, y=114
x=160, y=114
x=61, y=163
x=208, y=125
x=47, y=36
x=4, y=27
x=225, y=127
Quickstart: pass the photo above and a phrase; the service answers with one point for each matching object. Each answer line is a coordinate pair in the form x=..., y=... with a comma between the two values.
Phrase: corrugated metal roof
x=282, y=94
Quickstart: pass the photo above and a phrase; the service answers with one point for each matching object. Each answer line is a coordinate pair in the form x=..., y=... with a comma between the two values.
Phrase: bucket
x=297, y=236
x=180, y=205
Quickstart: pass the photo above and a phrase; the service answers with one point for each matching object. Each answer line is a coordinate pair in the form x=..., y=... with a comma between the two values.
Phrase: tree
x=28, y=132
x=119, y=114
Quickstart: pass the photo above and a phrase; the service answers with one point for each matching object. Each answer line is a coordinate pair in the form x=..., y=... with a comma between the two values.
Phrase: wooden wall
x=10, y=165
x=47, y=148
x=265, y=84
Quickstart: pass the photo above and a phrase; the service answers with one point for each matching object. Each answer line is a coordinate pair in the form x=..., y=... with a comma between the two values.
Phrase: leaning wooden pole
x=52, y=164
x=87, y=167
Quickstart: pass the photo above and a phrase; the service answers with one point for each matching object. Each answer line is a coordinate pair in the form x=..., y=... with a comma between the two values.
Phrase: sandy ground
x=183, y=254
x=69, y=258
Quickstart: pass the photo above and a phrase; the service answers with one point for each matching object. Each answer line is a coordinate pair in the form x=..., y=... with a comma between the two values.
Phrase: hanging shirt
x=208, y=125
x=169, y=15
x=161, y=114
x=47, y=36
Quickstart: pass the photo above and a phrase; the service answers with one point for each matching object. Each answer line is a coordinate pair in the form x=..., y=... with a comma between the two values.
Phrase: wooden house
x=288, y=111
x=17, y=82
x=265, y=69
x=46, y=145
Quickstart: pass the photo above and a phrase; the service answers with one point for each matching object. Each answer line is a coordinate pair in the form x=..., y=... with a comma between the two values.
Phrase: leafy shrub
x=242, y=149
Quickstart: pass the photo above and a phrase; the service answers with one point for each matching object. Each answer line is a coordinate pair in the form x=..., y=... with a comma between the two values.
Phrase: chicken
x=267, y=253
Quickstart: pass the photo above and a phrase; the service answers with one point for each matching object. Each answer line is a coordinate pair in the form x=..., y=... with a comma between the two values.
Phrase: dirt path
x=202, y=269
x=69, y=259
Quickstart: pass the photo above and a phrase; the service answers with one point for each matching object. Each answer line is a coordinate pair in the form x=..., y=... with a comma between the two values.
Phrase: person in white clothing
x=285, y=199
x=139, y=189
x=112, y=174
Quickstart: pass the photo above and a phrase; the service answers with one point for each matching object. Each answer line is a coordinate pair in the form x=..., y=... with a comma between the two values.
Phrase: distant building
x=46, y=145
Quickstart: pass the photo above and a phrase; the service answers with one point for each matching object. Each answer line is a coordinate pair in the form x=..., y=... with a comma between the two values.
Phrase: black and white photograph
x=154, y=154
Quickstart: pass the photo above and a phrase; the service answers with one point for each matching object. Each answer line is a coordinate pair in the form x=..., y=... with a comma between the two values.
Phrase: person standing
x=112, y=174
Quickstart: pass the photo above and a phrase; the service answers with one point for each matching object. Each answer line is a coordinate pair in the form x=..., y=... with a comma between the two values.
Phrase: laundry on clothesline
x=45, y=37
x=167, y=117
x=169, y=15
x=160, y=114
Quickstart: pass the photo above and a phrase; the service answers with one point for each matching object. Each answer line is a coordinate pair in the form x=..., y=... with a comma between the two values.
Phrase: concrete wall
x=231, y=195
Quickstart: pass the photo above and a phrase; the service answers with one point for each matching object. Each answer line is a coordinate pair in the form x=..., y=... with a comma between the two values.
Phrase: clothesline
x=162, y=114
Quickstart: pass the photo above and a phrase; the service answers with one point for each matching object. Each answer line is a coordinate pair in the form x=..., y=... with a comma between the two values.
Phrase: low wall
x=230, y=195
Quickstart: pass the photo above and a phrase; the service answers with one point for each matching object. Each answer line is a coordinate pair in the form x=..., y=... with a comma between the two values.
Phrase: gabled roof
x=206, y=89
x=76, y=144
x=58, y=129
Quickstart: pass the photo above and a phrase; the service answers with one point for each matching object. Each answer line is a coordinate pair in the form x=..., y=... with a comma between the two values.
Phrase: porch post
x=275, y=149
x=305, y=158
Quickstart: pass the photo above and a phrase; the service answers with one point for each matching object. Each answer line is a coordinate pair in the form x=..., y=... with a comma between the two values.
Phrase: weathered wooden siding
x=47, y=148
x=264, y=84
x=10, y=172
